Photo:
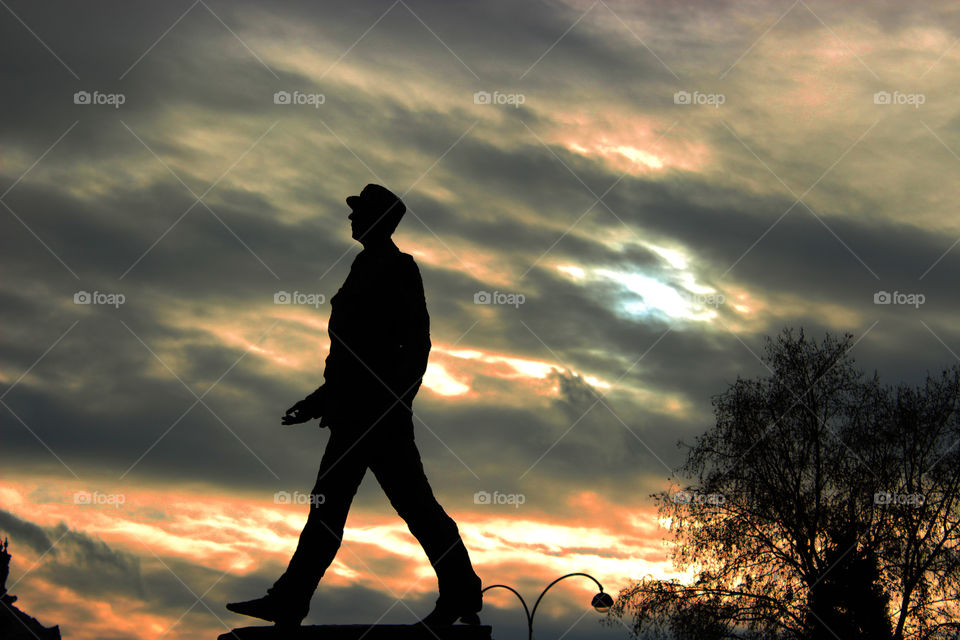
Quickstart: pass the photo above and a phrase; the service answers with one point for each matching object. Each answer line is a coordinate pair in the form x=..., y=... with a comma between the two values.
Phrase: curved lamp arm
x=544, y=592
x=526, y=611
x=530, y=613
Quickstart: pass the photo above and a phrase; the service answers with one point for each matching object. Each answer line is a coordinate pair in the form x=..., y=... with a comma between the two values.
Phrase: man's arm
x=309, y=408
x=317, y=401
x=315, y=404
x=412, y=332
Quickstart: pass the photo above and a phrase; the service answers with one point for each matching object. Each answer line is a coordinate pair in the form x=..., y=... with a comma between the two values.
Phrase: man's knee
x=425, y=515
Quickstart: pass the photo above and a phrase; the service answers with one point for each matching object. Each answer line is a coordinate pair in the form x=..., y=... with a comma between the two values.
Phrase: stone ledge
x=365, y=631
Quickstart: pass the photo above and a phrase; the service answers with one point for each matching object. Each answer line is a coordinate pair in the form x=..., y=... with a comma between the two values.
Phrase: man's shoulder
x=405, y=262
x=391, y=267
x=392, y=258
x=406, y=258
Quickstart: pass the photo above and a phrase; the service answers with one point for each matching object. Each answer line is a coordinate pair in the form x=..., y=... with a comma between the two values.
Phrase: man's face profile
x=362, y=220
x=374, y=214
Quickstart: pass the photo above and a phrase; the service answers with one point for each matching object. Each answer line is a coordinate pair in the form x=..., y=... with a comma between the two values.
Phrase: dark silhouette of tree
x=823, y=505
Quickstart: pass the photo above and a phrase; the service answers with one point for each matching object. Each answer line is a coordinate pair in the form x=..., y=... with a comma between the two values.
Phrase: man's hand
x=298, y=413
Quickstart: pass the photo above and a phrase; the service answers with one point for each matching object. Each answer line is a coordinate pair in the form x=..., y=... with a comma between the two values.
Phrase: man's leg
x=396, y=463
x=341, y=470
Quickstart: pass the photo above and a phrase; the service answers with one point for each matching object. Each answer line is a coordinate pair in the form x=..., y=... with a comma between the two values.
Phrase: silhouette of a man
x=379, y=343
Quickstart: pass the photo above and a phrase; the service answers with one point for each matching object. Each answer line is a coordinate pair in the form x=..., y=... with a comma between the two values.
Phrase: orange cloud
x=241, y=533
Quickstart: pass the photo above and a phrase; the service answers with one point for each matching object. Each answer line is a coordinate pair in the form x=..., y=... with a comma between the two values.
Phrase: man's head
x=375, y=214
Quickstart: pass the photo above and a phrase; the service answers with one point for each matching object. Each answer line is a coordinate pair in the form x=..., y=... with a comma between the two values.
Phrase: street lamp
x=601, y=602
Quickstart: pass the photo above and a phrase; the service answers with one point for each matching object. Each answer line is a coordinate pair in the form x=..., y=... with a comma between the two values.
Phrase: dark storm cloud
x=25, y=532
x=75, y=560
x=91, y=567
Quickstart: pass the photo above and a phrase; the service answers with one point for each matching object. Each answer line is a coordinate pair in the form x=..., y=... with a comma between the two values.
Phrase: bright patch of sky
x=670, y=290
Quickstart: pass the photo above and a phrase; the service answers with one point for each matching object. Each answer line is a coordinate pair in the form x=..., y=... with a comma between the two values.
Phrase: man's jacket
x=379, y=341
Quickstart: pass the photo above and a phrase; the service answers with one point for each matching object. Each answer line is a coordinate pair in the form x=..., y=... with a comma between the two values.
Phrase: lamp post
x=601, y=602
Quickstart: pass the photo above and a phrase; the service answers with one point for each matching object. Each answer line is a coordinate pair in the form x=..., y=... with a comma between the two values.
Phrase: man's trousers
x=389, y=450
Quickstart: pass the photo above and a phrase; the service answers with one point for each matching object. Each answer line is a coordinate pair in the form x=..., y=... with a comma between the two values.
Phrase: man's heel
x=470, y=618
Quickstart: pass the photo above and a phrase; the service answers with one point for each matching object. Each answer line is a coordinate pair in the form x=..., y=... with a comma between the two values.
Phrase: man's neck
x=384, y=245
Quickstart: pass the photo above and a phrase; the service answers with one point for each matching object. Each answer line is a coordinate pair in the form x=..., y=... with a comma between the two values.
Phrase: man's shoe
x=272, y=609
x=443, y=616
x=449, y=610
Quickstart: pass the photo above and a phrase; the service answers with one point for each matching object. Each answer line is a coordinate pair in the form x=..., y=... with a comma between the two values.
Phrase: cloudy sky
x=641, y=191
